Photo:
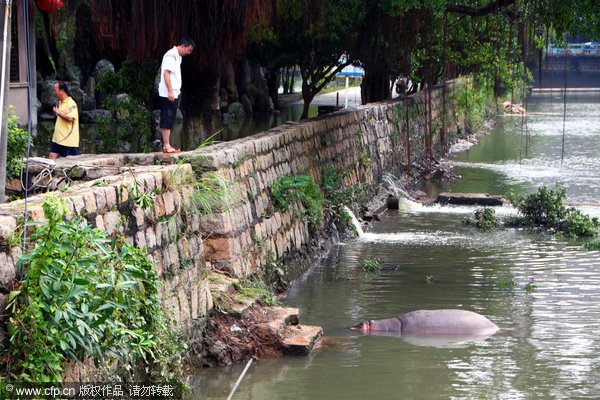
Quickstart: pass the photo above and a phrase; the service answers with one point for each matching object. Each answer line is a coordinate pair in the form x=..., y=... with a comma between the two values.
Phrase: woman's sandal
x=171, y=150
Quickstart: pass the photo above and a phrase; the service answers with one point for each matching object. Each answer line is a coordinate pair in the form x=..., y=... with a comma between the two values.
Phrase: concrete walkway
x=329, y=99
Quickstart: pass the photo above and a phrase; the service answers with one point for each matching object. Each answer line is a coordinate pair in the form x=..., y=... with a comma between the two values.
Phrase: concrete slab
x=482, y=199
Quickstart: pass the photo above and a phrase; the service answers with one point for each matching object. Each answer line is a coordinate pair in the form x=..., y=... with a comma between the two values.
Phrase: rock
x=252, y=92
x=89, y=103
x=64, y=62
x=92, y=116
x=236, y=112
x=264, y=103
x=90, y=87
x=232, y=93
x=101, y=68
x=247, y=103
x=223, y=99
x=76, y=93
x=419, y=195
x=73, y=73
x=121, y=100
x=46, y=95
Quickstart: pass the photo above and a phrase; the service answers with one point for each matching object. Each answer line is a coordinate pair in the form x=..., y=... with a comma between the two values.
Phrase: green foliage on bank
x=326, y=201
x=543, y=210
x=85, y=296
x=16, y=146
x=336, y=196
x=289, y=189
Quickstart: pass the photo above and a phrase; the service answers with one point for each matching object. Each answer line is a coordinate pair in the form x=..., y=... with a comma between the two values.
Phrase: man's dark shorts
x=64, y=150
x=168, y=110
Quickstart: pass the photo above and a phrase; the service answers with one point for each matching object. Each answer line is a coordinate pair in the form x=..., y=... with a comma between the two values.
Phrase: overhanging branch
x=490, y=8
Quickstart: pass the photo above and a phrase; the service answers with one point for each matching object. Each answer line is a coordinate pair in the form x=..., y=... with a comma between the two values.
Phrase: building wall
x=18, y=88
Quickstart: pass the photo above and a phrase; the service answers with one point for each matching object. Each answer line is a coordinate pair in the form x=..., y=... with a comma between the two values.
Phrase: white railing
x=575, y=49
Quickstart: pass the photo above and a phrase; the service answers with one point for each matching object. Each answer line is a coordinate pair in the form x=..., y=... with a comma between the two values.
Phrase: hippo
x=432, y=322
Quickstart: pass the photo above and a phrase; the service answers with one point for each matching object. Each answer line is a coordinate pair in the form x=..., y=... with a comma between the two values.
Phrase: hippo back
x=447, y=322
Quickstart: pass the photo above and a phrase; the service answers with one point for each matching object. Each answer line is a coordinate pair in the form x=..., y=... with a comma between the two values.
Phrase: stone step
x=482, y=199
x=298, y=340
x=302, y=340
x=220, y=284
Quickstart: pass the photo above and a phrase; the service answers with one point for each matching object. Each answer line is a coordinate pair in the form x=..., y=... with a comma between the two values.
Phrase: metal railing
x=589, y=48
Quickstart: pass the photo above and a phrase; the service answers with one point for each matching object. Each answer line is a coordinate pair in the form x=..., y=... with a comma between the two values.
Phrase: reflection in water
x=196, y=128
x=542, y=291
x=189, y=133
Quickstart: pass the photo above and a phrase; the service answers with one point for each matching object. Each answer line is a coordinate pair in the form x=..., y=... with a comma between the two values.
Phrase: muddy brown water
x=543, y=291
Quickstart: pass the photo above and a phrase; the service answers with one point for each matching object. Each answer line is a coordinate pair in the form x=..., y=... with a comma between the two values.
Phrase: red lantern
x=49, y=5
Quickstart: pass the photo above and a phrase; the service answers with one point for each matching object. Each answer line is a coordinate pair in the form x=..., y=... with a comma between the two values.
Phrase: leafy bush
x=82, y=296
x=133, y=127
x=485, y=218
x=17, y=146
x=545, y=209
x=471, y=104
x=133, y=78
x=288, y=189
x=335, y=196
x=370, y=264
x=592, y=245
x=134, y=124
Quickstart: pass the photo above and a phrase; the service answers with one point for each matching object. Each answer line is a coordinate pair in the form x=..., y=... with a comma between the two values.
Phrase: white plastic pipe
x=4, y=48
x=240, y=378
x=347, y=84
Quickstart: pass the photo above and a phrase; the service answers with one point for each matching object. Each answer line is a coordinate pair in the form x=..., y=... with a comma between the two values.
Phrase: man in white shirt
x=170, y=88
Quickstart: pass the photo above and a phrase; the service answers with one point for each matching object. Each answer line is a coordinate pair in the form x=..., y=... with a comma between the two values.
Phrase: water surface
x=543, y=291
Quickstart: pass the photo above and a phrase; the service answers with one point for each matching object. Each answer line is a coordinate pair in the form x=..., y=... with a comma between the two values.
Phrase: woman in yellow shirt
x=65, y=141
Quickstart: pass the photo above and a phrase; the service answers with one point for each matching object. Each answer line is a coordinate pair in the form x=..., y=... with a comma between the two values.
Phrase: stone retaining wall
x=367, y=142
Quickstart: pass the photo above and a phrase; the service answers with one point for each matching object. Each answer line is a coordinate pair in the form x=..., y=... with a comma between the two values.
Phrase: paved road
x=329, y=99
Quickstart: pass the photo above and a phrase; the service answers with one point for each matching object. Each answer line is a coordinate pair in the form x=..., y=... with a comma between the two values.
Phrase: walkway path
x=329, y=99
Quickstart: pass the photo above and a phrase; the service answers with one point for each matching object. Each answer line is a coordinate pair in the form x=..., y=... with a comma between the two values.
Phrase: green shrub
x=134, y=127
x=545, y=209
x=137, y=80
x=592, y=245
x=370, y=264
x=485, y=218
x=336, y=197
x=133, y=78
x=83, y=295
x=288, y=189
x=16, y=146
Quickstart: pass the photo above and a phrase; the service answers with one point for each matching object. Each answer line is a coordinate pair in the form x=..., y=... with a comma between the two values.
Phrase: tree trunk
x=375, y=85
x=273, y=77
x=84, y=47
x=307, y=96
x=200, y=91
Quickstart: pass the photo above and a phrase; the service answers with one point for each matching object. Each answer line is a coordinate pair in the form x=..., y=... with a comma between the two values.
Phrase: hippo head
x=379, y=325
x=364, y=326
